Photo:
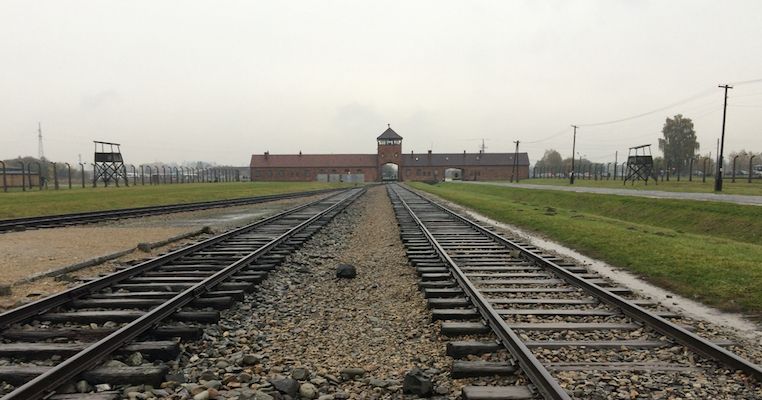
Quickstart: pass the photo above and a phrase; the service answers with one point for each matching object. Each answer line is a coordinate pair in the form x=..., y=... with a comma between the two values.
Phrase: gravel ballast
x=335, y=338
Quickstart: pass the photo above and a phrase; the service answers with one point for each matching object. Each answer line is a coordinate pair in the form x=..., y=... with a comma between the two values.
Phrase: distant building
x=388, y=164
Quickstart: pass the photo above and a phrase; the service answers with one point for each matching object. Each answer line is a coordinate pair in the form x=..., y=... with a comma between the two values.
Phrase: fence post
x=734, y=169
x=68, y=168
x=703, y=173
x=5, y=180
x=82, y=169
x=750, y=170
x=55, y=176
x=23, y=176
x=95, y=180
x=39, y=174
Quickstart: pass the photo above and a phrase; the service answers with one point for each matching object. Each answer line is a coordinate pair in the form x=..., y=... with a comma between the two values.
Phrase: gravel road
x=27, y=253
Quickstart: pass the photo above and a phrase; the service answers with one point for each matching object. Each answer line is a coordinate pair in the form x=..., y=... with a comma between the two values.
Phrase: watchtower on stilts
x=640, y=164
x=109, y=165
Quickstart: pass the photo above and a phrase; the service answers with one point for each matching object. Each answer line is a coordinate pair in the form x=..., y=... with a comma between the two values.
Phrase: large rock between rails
x=346, y=271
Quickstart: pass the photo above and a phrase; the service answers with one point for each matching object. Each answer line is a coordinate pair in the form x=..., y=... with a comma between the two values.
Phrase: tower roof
x=389, y=134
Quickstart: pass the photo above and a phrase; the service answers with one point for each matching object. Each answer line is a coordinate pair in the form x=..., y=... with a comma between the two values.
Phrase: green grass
x=35, y=203
x=711, y=252
x=741, y=186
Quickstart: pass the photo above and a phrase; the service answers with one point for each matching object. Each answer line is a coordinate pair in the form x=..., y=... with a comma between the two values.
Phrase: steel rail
x=85, y=217
x=546, y=384
x=43, y=305
x=659, y=324
x=40, y=386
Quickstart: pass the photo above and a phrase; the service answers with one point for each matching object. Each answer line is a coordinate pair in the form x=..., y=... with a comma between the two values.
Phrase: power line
x=746, y=82
x=559, y=133
x=686, y=100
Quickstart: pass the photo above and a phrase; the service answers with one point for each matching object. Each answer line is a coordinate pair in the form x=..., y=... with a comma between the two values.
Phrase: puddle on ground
x=744, y=326
x=225, y=218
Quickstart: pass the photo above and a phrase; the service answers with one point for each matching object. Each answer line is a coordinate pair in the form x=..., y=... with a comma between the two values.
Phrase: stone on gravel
x=213, y=384
x=286, y=386
x=83, y=387
x=308, y=391
x=260, y=395
x=378, y=383
x=251, y=359
x=300, y=374
x=202, y=396
x=346, y=271
x=114, y=364
x=208, y=375
x=5, y=290
x=416, y=382
x=351, y=373
x=103, y=387
x=135, y=359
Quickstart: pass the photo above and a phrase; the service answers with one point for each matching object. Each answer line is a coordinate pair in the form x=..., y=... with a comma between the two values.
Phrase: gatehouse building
x=389, y=164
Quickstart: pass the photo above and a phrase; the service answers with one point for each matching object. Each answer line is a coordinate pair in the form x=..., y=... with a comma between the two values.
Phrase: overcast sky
x=220, y=80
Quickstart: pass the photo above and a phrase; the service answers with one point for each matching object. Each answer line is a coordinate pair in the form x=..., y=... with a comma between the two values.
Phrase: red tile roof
x=313, y=160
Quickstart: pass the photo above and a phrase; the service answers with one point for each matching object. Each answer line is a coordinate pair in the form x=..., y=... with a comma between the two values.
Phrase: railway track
x=144, y=310
x=531, y=314
x=52, y=221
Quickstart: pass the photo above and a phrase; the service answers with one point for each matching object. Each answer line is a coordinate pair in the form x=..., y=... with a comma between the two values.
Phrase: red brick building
x=388, y=164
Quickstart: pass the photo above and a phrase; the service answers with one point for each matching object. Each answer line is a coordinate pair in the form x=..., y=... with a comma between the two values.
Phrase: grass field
x=711, y=252
x=34, y=203
x=741, y=186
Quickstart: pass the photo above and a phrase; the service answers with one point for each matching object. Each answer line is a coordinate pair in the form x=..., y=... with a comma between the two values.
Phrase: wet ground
x=656, y=194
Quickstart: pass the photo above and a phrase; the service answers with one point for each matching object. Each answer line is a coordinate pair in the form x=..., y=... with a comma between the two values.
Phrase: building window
x=408, y=171
x=418, y=172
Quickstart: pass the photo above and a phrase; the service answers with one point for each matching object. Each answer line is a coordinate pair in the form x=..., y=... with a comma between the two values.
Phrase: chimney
x=267, y=155
x=300, y=153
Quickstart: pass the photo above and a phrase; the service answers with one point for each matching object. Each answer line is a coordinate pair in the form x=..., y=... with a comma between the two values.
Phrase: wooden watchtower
x=109, y=164
x=640, y=164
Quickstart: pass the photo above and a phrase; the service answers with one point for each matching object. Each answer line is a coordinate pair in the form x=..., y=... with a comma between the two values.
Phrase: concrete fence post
x=55, y=176
x=68, y=174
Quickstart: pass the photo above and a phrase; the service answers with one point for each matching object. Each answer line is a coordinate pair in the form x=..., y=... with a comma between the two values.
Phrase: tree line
x=680, y=152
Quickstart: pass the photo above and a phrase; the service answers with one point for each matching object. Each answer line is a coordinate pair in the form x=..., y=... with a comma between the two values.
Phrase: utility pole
x=574, y=147
x=718, y=178
x=516, y=163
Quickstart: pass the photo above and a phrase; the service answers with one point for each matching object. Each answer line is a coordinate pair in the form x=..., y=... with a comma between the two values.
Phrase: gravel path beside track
x=27, y=253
